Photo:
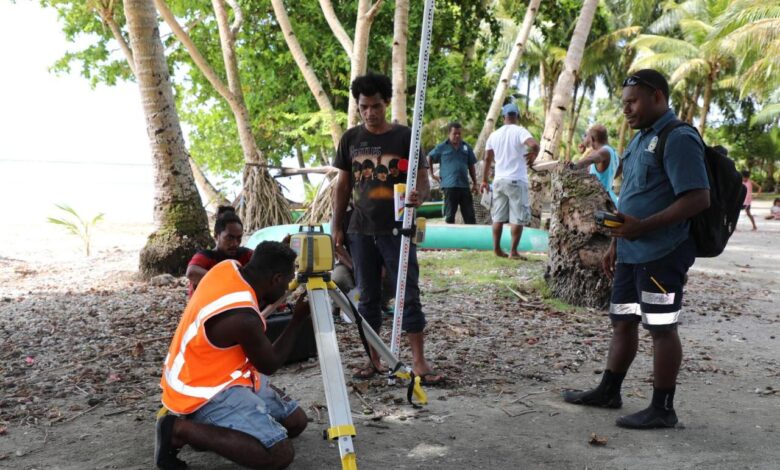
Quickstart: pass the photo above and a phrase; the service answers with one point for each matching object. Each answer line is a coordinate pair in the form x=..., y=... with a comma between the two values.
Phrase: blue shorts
x=255, y=413
x=653, y=291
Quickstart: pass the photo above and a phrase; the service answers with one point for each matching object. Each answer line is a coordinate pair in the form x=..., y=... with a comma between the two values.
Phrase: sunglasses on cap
x=633, y=80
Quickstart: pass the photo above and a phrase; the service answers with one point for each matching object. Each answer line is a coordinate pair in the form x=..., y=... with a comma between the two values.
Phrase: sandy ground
x=81, y=342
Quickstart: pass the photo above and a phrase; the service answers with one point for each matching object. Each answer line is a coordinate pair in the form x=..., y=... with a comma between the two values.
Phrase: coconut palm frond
x=664, y=44
x=742, y=13
x=690, y=69
x=770, y=113
x=667, y=62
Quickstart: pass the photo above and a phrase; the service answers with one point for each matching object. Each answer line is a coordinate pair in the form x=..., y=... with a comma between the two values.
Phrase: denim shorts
x=652, y=292
x=255, y=413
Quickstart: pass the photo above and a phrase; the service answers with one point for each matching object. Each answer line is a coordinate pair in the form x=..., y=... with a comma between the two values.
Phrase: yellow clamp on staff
x=417, y=389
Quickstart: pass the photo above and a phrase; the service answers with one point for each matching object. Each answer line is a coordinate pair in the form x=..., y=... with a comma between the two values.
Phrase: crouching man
x=215, y=379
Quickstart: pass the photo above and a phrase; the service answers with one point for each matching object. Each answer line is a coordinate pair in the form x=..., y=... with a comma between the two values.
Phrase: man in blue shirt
x=652, y=247
x=456, y=161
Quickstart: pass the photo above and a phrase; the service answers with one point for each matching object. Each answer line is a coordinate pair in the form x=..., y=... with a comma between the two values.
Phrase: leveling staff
x=653, y=249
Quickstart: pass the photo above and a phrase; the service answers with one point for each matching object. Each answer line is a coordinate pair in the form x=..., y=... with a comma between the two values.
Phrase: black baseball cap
x=649, y=78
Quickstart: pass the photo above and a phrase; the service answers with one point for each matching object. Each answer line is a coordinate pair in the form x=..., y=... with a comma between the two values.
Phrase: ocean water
x=29, y=189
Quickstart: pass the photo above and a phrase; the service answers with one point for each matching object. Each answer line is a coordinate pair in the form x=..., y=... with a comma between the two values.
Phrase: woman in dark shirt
x=228, y=231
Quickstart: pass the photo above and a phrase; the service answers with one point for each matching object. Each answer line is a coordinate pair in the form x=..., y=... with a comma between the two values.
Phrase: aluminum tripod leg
x=336, y=396
x=397, y=368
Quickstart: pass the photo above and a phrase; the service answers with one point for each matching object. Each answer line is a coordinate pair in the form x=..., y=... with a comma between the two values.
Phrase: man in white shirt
x=513, y=149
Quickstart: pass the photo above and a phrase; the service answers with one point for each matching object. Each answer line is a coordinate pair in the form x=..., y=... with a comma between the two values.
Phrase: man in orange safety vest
x=215, y=386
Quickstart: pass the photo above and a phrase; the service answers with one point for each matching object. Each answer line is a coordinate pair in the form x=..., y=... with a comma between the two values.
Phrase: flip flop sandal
x=432, y=383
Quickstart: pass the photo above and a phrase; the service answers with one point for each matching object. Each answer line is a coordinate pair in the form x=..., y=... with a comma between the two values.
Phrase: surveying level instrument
x=315, y=262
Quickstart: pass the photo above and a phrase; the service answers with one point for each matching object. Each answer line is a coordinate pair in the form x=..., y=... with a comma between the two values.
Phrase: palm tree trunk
x=575, y=116
x=213, y=196
x=693, y=104
x=181, y=223
x=622, y=135
x=705, y=106
x=262, y=202
x=400, y=40
x=561, y=99
x=510, y=67
x=573, y=272
x=359, y=61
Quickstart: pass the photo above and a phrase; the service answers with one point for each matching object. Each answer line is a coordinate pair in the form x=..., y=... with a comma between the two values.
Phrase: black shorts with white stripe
x=652, y=292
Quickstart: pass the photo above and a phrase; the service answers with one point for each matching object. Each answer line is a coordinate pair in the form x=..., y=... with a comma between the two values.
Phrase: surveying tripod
x=315, y=263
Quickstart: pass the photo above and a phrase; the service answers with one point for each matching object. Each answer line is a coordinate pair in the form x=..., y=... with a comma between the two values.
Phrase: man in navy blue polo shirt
x=653, y=249
x=456, y=161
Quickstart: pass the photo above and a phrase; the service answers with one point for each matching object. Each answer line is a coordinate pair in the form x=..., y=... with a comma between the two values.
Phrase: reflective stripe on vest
x=172, y=375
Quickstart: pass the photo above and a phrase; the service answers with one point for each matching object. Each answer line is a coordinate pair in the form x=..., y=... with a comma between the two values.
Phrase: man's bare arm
x=244, y=327
x=533, y=150
x=195, y=274
x=596, y=157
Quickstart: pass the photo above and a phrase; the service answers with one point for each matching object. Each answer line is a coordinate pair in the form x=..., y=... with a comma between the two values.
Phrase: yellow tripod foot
x=349, y=462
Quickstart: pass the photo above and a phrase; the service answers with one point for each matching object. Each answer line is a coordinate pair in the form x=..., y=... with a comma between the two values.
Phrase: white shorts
x=510, y=202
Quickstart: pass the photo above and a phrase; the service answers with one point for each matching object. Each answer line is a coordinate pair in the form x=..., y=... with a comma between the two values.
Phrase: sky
x=62, y=142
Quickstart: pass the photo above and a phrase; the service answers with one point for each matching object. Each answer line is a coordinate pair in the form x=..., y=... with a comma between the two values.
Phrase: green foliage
x=471, y=39
x=74, y=224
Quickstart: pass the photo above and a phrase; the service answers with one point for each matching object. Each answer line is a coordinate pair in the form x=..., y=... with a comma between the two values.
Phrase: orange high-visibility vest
x=195, y=370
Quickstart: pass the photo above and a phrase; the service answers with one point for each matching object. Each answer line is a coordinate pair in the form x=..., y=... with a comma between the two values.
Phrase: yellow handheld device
x=608, y=219
x=314, y=248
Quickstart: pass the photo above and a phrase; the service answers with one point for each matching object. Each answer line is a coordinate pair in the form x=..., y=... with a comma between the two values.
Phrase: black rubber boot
x=649, y=418
x=165, y=456
x=606, y=395
x=594, y=397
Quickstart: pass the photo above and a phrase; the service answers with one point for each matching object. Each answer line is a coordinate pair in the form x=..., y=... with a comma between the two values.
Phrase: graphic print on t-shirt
x=374, y=173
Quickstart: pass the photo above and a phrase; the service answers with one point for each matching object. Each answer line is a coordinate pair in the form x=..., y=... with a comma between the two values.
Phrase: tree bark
x=400, y=40
x=267, y=206
x=301, y=165
x=212, y=194
x=181, y=222
x=561, y=98
x=577, y=245
x=336, y=27
x=573, y=271
x=693, y=104
x=106, y=12
x=705, y=106
x=359, y=60
x=575, y=116
x=510, y=67
x=622, y=136
x=314, y=84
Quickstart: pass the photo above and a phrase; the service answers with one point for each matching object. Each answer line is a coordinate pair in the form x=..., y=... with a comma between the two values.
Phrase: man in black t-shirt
x=375, y=144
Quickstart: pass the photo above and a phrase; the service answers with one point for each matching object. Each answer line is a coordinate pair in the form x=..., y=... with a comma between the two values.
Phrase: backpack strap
x=660, y=147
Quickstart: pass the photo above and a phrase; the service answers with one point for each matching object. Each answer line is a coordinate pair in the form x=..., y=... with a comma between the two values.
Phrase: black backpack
x=712, y=227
